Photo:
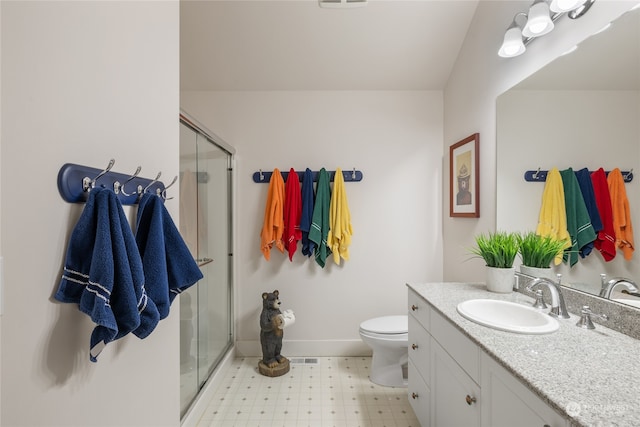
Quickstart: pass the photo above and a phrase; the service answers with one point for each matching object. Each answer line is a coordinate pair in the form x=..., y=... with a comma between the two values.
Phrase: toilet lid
x=386, y=325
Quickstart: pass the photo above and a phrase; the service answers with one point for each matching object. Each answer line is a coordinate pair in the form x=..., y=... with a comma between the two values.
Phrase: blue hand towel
x=103, y=273
x=586, y=187
x=169, y=267
x=308, y=199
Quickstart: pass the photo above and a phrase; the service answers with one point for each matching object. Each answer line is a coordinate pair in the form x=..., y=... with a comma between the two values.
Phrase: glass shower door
x=205, y=223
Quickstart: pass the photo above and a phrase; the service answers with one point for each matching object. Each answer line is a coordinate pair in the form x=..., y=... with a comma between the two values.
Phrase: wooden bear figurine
x=271, y=322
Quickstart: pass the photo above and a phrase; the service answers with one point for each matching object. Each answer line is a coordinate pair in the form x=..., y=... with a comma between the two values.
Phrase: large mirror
x=580, y=111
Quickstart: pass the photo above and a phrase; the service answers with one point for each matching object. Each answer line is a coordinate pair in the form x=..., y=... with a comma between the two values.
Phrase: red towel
x=605, y=242
x=292, y=213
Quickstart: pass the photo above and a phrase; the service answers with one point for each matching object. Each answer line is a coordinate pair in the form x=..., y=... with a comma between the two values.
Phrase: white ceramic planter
x=500, y=280
x=546, y=273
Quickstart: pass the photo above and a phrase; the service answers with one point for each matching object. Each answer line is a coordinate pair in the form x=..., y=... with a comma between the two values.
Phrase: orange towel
x=621, y=213
x=273, y=225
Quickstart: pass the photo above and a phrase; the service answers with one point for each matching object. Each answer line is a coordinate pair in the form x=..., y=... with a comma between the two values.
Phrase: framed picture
x=464, y=178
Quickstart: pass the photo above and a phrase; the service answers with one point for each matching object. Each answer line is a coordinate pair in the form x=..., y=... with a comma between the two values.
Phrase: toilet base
x=388, y=371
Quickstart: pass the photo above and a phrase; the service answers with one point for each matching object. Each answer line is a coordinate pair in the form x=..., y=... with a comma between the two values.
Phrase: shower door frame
x=212, y=138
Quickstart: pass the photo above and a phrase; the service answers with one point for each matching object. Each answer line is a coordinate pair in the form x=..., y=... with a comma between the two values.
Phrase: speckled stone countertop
x=592, y=377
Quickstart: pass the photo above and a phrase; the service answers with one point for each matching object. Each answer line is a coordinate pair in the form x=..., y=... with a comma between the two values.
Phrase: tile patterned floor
x=336, y=392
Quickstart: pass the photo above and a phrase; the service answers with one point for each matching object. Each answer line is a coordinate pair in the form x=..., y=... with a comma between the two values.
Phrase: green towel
x=578, y=219
x=320, y=219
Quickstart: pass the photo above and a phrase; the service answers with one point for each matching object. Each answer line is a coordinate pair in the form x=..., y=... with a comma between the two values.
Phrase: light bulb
x=539, y=22
x=560, y=6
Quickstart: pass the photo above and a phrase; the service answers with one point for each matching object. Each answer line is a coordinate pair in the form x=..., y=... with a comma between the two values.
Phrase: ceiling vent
x=342, y=4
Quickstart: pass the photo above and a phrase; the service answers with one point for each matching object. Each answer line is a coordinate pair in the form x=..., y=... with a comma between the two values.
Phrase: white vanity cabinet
x=510, y=403
x=452, y=382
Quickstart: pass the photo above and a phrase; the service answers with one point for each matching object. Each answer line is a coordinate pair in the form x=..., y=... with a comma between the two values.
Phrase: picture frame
x=464, y=177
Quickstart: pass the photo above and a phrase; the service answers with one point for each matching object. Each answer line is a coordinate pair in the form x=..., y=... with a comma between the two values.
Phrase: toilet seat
x=386, y=326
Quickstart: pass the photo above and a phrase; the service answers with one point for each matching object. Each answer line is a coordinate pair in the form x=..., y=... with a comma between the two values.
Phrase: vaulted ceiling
x=297, y=45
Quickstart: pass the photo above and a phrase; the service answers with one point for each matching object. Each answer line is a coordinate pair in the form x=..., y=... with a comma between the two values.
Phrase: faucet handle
x=559, y=277
x=585, y=318
x=603, y=279
x=539, y=302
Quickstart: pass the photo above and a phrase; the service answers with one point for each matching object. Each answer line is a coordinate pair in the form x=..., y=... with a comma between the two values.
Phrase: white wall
x=395, y=139
x=478, y=78
x=82, y=82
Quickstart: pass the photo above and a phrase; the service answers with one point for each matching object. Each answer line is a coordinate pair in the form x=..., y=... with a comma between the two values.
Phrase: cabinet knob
x=414, y=395
x=414, y=346
x=470, y=400
x=414, y=307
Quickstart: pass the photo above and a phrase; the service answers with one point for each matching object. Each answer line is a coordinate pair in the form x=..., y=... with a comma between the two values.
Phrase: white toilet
x=388, y=338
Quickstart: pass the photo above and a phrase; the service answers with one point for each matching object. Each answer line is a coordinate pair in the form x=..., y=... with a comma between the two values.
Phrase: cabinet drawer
x=419, y=343
x=419, y=308
x=419, y=396
x=461, y=348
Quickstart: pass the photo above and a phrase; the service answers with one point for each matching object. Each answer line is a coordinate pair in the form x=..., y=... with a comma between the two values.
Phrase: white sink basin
x=508, y=316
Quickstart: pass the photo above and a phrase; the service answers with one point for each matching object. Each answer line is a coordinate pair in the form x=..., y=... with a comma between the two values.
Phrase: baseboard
x=299, y=348
x=199, y=406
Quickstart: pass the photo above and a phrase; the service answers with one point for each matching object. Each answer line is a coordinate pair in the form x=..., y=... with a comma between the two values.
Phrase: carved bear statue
x=271, y=322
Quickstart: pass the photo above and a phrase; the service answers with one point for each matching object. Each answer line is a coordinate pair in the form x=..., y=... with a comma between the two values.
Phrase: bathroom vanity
x=463, y=373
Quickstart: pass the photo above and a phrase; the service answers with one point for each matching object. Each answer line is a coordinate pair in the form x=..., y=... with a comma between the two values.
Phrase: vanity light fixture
x=565, y=5
x=513, y=44
x=539, y=21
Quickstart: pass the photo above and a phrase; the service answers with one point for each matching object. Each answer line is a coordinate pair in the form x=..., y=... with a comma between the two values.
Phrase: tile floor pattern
x=334, y=393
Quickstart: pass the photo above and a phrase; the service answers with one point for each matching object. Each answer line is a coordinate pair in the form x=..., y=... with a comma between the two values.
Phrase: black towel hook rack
x=541, y=175
x=261, y=177
x=75, y=183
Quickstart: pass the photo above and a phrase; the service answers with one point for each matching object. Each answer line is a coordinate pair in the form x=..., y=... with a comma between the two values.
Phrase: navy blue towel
x=169, y=267
x=586, y=188
x=308, y=200
x=103, y=273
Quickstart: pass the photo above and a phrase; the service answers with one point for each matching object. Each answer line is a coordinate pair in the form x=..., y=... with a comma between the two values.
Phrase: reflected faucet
x=558, y=306
x=608, y=286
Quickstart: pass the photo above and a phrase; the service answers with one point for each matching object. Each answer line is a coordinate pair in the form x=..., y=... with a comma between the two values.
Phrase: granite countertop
x=592, y=377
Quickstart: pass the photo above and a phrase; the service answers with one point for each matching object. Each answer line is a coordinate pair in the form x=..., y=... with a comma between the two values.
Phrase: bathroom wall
x=395, y=139
x=82, y=82
x=478, y=78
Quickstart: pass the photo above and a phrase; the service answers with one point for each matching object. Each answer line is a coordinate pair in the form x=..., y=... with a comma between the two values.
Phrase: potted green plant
x=498, y=250
x=537, y=252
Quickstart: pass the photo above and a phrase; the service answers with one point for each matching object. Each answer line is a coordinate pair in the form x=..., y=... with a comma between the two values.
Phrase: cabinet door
x=508, y=403
x=419, y=396
x=455, y=397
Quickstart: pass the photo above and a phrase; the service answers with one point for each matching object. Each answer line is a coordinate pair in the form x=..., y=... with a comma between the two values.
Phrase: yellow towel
x=340, y=229
x=621, y=213
x=273, y=225
x=552, y=220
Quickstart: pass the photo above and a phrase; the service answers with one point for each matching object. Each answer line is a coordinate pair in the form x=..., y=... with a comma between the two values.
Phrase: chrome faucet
x=558, y=306
x=608, y=286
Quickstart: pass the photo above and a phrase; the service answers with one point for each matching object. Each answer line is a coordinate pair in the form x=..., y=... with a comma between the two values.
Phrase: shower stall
x=206, y=310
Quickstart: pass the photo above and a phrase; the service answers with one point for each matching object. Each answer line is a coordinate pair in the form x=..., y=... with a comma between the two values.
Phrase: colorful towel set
x=321, y=221
x=587, y=210
x=124, y=283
